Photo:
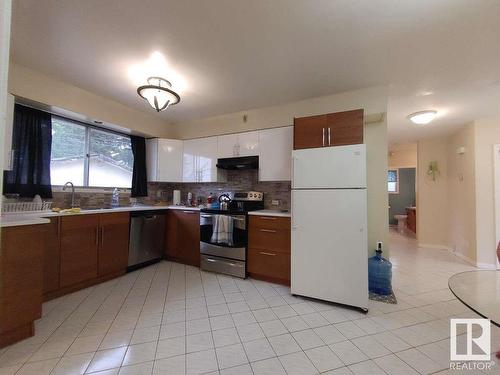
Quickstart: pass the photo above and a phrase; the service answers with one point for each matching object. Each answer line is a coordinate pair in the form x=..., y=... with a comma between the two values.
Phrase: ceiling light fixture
x=158, y=93
x=422, y=117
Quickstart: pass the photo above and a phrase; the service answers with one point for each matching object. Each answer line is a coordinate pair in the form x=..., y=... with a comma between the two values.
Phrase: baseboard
x=437, y=247
x=463, y=257
x=486, y=266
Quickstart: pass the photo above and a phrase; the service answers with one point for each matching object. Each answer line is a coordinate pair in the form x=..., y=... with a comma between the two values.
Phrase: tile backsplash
x=236, y=181
x=163, y=192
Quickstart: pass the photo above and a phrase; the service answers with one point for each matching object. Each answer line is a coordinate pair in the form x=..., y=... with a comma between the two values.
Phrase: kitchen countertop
x=13, y=219
x=271, y=213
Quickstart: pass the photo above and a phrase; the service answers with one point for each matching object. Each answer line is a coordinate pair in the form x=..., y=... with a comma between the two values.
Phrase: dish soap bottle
x=379, y=273
x=115, y=199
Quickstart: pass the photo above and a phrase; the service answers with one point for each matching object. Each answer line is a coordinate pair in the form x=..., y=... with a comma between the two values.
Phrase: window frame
x=397, y=180
x=86, y=161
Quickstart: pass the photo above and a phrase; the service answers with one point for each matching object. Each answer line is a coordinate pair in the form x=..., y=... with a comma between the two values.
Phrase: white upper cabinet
x=241, y=144
x=164, y=160
x=275, y=160
x=9, y=123
x=200, y=160
x=248, y=144
x=227, y=146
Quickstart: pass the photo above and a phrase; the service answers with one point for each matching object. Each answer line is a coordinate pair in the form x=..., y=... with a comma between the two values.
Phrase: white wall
x=374, y=102
x=487, y=135
x=33, y=85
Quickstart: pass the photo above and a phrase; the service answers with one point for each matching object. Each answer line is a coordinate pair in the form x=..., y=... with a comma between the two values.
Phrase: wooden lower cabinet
x=79, y=243
x=182, y=242
x=113, y=243
x=269, y=248
x=270, y=265
x=21, y=280
x=52, y=256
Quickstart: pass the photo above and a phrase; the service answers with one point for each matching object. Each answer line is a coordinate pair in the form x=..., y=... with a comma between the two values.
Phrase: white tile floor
x=172, y=319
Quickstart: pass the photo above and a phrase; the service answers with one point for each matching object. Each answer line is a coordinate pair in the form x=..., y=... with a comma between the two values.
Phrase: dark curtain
x=31, y=145
x=139, y=175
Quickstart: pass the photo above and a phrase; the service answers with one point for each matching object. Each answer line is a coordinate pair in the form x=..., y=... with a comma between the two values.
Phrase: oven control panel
x=248, y=196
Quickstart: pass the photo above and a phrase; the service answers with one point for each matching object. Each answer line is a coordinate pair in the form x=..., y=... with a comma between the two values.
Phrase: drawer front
x=269, y=239
x=268, y=263
x=269, y=222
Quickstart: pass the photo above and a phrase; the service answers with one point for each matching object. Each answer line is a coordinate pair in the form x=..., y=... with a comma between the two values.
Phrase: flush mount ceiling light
x=422, y=117
x=158, y=93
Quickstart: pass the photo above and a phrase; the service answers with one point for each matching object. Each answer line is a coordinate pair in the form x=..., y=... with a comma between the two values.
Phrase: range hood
x=240, y=163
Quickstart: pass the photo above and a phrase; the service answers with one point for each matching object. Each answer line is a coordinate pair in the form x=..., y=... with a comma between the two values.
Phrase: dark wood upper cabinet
x=113, y=243
x=79, y=243
x=309, y=132
x=333, y=129
x=51, y=256
x=345, y=128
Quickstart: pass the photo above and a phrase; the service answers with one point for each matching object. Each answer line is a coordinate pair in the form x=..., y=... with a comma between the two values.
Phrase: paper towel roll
x=177, y=197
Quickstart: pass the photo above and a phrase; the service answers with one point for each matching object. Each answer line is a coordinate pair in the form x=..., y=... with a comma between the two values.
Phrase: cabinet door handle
x=97, y=236
x=329, y=136
x=268, y=254
x=189, y=212
x=102, y=236
x=268, y=230
x=267, y=218
x=323, y=137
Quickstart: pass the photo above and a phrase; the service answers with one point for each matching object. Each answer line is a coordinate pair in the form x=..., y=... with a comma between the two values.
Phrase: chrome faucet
x=69, y=183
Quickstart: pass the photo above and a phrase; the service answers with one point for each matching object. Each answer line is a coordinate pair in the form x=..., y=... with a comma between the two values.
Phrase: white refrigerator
x=329, y=255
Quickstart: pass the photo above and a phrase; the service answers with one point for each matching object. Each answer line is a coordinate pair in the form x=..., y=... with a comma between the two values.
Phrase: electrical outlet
x=275, y=202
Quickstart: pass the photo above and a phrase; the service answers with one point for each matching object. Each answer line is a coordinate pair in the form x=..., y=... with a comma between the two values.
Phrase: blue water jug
x=379, y=273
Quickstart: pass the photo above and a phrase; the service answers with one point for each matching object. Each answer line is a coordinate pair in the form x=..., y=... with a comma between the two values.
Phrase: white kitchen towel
x=223, y=230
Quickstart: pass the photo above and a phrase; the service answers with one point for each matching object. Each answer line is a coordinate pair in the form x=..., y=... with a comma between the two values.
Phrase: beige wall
x=487, y=135
x=461, y=193
x=38, y=87
x=403, y=156
x=374, y=102
x=432, y=196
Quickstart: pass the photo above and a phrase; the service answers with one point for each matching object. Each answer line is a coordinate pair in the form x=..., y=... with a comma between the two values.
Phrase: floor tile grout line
x=93, y=288
x=142, y=309
x=116, y=284
x=118, y=312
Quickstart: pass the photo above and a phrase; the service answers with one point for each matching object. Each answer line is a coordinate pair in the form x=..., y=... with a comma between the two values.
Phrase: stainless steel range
x=224, y=233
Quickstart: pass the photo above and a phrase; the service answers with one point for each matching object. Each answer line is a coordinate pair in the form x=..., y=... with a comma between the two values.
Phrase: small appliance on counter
x=224, y=233
x=176, y=198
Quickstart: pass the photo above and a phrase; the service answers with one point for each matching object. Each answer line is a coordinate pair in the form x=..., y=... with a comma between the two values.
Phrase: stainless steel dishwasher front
x=147, y=237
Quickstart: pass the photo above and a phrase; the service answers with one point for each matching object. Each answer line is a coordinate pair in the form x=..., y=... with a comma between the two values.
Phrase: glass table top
x=480, y=291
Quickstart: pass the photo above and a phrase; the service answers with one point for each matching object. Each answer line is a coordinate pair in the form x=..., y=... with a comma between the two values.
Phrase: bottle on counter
x=210, y=200
x=190, y=199
x=115, y=198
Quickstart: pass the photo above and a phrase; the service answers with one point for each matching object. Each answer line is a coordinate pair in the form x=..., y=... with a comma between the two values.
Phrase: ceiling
x=226, y=55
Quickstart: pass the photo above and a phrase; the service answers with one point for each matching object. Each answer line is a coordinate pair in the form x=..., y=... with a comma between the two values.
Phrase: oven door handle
x=225, y=262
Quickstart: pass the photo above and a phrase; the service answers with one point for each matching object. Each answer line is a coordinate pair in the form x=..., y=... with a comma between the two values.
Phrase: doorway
x=401, y=187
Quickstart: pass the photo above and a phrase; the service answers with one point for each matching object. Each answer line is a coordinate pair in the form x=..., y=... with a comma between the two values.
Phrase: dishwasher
x=147, y=238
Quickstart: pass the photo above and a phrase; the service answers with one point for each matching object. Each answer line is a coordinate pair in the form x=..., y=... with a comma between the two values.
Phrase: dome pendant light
x=158, y=93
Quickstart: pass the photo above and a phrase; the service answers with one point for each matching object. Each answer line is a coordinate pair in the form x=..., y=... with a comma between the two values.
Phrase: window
x=88, y=156
x=393, y=181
